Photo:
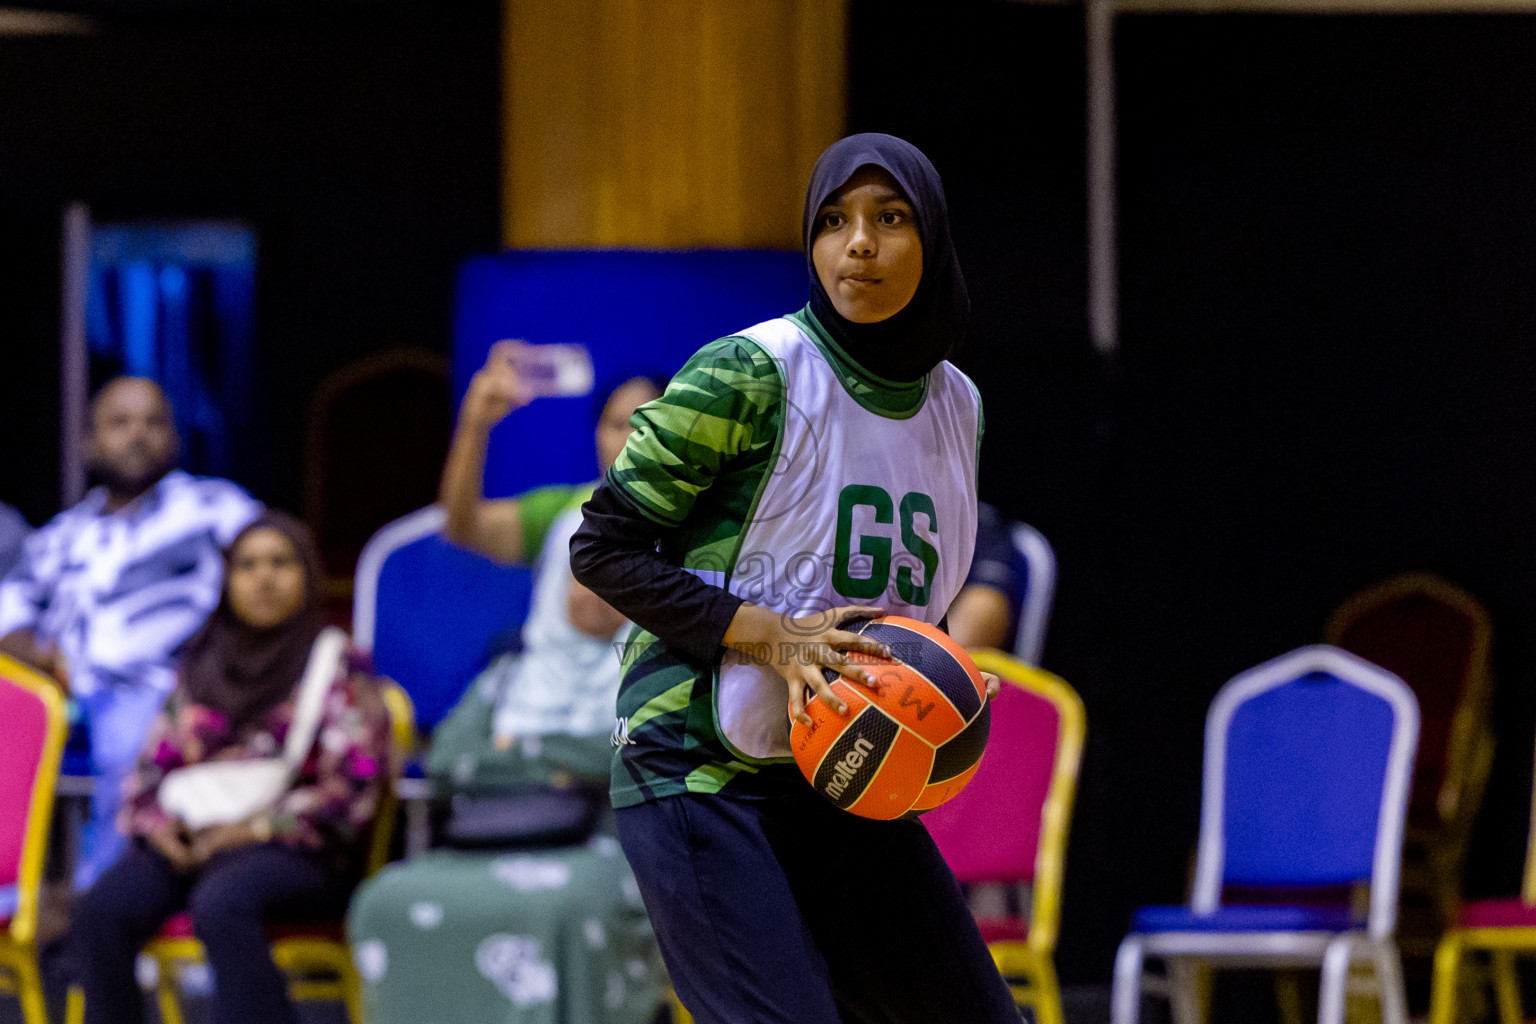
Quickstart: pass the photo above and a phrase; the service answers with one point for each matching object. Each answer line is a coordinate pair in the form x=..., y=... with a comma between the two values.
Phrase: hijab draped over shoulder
x=931, y=328
x=243, y=672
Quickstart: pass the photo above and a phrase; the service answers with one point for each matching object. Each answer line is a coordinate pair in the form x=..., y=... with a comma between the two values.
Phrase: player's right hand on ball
x=822, y=642
x=495, y=389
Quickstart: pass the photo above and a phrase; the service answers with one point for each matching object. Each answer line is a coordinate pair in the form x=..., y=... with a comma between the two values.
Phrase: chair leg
x=29, y=991
x=680, y=1014
x=1184, y=985
x=1045, y=989
x=1442, y=994
x=1389, y=982
x=1335, y=981
x=1125, y=1002
x=167, y=997
x=1205, y=989
x=1288, y=997
x=352, y=994
x=74, y=1005
x=1506, y=987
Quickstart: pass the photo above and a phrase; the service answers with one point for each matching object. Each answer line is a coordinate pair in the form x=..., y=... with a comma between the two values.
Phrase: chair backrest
x=33, y=712
x=1308, y=760
x=402, y=727
x=1010, y=823
x=431, y=613
x=378, y=433
x=1436, y=637
x=1037, y=568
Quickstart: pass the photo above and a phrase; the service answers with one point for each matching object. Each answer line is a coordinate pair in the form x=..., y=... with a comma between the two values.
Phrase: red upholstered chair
x=1502, y=929
x=33, y=712
x=1010, y=823
x=1436, y=638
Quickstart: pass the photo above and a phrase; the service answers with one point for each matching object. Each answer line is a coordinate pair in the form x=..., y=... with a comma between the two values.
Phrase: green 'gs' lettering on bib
x=877, y=549
x=917, y=503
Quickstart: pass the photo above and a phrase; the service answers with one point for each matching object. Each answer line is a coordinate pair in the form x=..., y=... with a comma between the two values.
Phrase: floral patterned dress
x=334, y=798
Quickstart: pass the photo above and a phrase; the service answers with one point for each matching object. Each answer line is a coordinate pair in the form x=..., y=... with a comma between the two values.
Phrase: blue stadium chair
x=1036, y=564
x=1308, y=762
x=431, y=613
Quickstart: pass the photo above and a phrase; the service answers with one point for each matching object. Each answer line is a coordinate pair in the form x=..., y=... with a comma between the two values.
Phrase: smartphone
x=562, y=370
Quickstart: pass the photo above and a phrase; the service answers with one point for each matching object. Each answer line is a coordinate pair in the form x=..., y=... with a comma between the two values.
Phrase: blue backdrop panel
x=638, y=312
x=175, y=301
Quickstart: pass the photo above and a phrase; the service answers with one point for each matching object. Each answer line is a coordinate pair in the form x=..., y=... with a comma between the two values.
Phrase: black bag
x=540, y=817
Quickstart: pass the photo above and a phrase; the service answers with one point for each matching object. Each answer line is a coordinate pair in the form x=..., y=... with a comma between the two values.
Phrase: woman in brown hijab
x=236, y=701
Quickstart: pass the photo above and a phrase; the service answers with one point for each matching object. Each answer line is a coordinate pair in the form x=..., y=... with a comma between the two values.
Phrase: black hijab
x=243, y=672
x=931, y=328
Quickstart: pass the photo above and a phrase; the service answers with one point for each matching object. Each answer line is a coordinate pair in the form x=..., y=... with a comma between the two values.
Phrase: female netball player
x=806, y=472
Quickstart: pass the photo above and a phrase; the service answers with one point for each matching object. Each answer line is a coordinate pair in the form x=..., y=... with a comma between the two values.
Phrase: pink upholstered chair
x=33, y=712
x=1503, y=929
x=1010, y=824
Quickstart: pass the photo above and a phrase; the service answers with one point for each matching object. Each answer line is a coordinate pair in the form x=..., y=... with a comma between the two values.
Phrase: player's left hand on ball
x=994, y=685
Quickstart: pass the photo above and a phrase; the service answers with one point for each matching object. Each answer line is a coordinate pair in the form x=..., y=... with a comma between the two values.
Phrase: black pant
x=790, y=911
x=228, y=898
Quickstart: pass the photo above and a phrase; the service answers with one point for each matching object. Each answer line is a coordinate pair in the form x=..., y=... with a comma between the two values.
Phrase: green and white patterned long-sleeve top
x=709, y=463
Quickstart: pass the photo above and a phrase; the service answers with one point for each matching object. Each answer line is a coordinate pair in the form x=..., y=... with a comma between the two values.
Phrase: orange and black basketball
x=909, y=742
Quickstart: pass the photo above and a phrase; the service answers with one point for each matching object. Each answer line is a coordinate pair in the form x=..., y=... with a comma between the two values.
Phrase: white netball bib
x=858, y=508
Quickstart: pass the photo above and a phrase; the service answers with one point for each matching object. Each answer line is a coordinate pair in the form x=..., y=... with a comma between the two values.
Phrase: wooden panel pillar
x=666, y=124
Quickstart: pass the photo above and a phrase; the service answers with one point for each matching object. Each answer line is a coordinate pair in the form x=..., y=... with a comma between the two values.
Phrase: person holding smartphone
x=548, y=920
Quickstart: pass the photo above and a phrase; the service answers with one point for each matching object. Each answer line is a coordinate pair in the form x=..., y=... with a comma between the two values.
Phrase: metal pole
x=1103, y=246
x=74, y=363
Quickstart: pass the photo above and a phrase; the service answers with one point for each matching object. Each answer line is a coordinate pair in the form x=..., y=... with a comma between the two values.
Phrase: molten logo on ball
x=848, y=766
x=908, y=743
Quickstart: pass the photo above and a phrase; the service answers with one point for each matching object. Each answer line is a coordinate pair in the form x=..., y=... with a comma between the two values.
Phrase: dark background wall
x=1327, y=368
x=361, y=142
x=1329, y=238
x=1328, y=241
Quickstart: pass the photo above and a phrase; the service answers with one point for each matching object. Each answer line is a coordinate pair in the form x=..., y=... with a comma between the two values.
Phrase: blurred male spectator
x=106, y=592
x=14, y=531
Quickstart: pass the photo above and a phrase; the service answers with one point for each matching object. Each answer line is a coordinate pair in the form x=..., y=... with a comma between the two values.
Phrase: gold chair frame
x=1030, y=964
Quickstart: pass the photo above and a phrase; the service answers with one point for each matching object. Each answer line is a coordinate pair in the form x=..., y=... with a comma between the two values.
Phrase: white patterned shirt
x=120, y=592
